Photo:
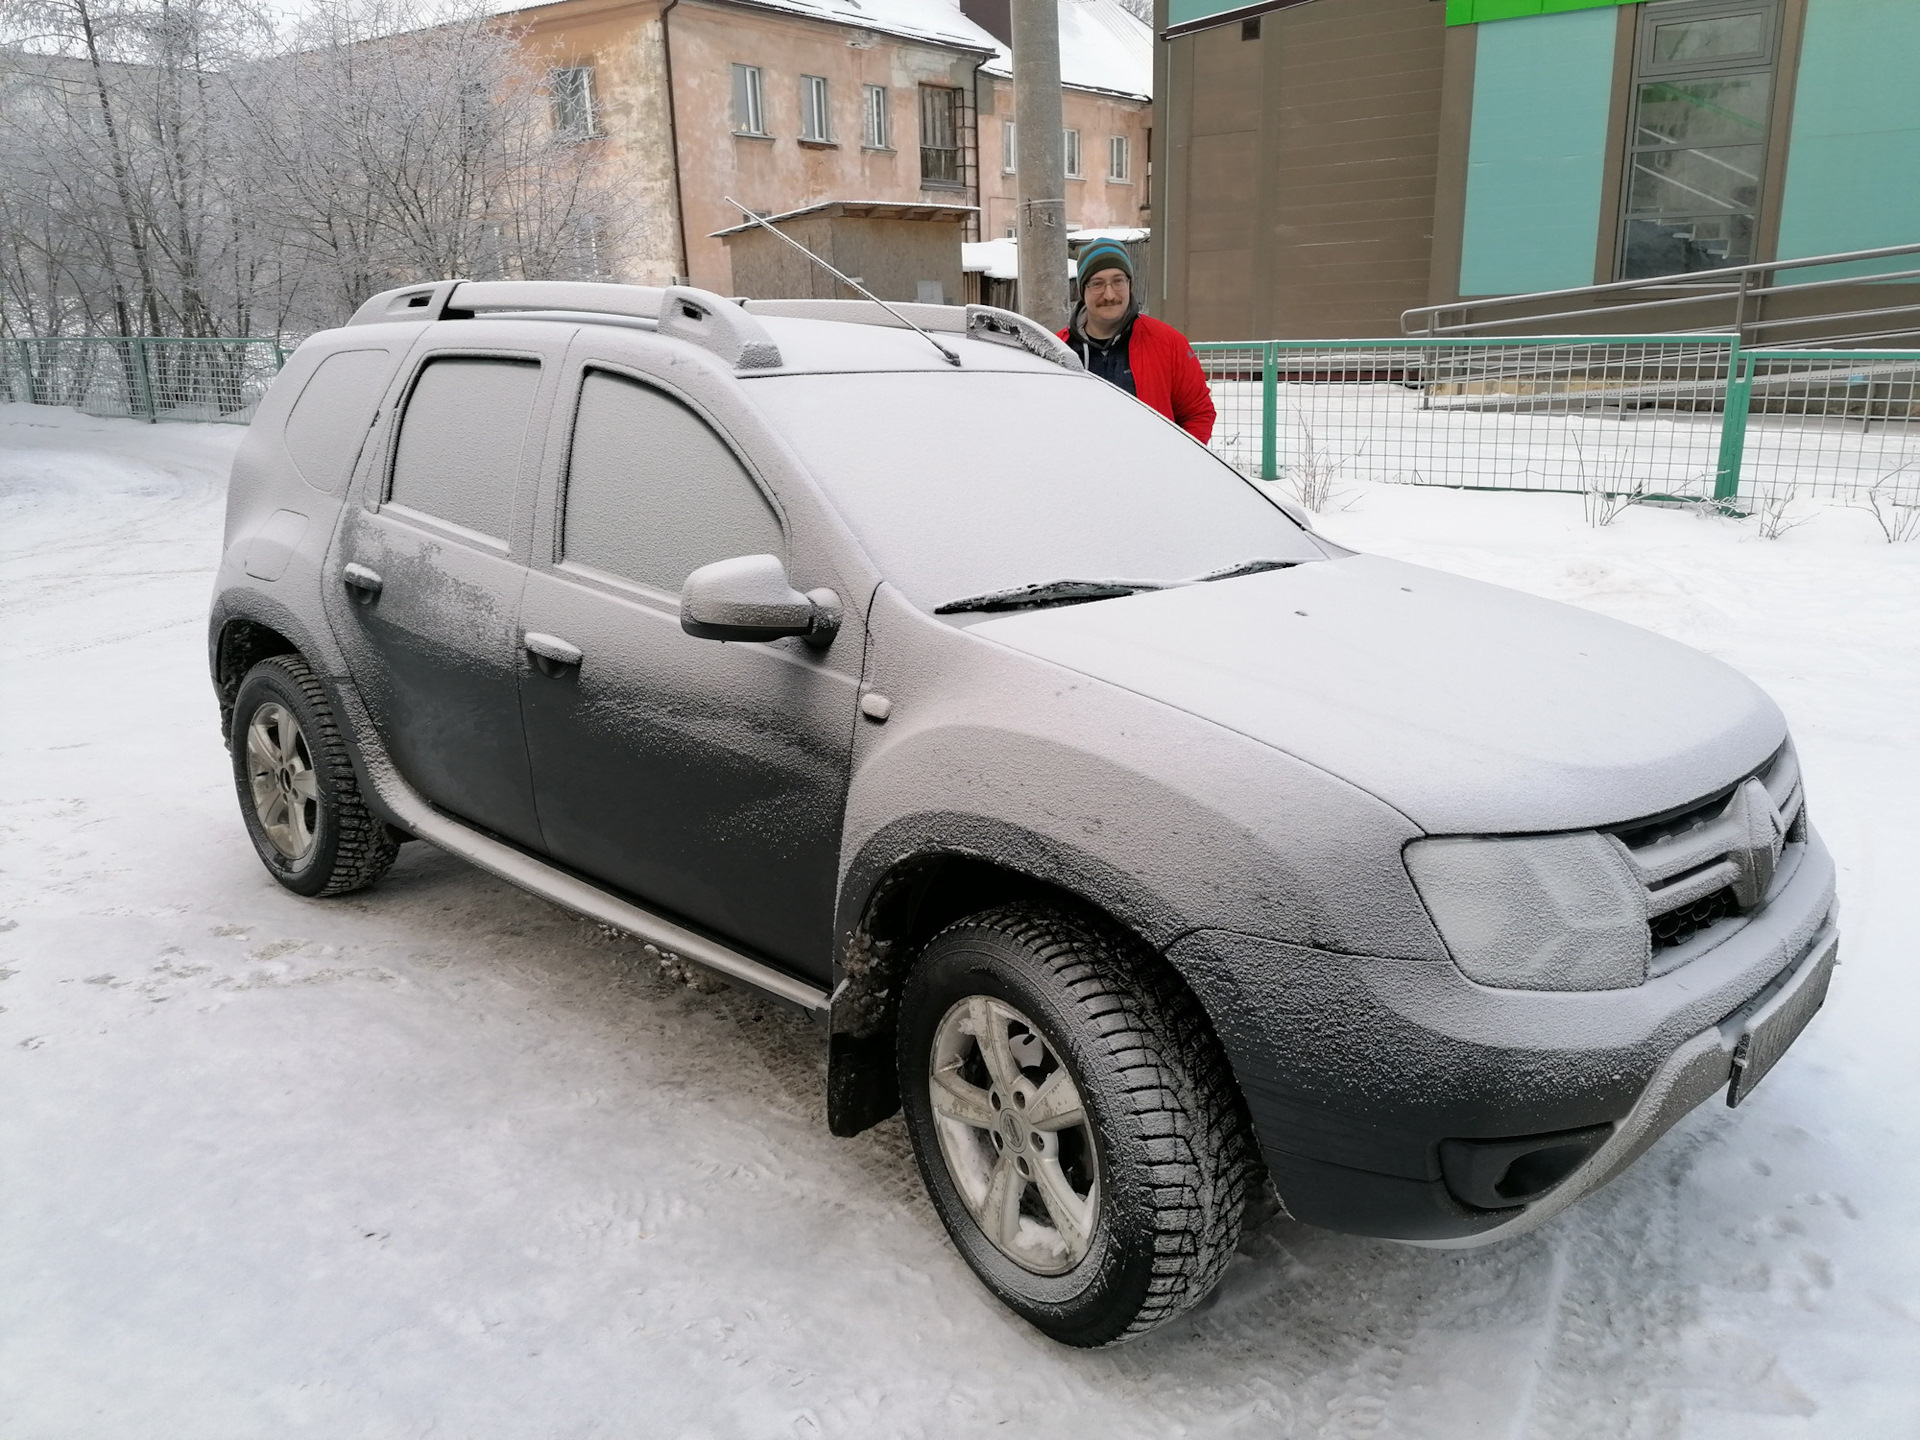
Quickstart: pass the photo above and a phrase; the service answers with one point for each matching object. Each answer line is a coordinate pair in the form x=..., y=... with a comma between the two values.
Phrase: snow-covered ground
x=441, y=1160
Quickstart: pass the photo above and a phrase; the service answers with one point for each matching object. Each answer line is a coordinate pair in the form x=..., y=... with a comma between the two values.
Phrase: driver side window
x=653, y=493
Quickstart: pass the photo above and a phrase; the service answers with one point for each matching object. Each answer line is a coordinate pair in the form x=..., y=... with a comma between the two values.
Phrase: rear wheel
x=1074, y=1121
x=298, y=792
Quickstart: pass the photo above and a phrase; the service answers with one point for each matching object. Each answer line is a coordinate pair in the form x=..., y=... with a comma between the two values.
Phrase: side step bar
x=405, y=806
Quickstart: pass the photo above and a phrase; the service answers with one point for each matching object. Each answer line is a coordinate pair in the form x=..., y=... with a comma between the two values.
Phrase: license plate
x=1772, y=1028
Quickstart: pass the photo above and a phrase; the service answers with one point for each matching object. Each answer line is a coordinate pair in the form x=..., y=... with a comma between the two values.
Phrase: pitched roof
x=1103, y=45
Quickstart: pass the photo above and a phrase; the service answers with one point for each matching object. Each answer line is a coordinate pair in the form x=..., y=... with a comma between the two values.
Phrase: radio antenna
x=847, y=280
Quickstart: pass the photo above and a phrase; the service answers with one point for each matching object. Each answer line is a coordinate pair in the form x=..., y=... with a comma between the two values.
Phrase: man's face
x=1107, y=294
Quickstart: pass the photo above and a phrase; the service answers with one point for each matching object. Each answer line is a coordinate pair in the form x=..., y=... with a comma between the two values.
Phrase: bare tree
x=177, y=167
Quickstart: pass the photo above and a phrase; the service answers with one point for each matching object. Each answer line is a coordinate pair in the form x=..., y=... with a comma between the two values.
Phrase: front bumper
x=1359, y=1072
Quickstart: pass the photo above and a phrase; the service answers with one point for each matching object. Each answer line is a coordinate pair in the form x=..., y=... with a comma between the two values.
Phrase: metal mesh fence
x=158, y=379
x=1628, y=415
x=1688, y=417
x=1829, y=423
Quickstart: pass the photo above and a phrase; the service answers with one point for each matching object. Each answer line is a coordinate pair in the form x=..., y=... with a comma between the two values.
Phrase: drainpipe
x=673, y=142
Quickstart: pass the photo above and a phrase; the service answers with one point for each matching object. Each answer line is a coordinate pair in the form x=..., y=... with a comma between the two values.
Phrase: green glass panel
x=1704, y=112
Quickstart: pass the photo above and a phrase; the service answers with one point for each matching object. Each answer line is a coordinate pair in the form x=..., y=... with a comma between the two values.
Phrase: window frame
x=1644, y=71
x=876, y=118
x=816, y=111
x=1070, y=157
x=379, y=494
x=1119, y=160
x=579, y=91
x=750, y=95
x=555, y=558
x=929, y=180
x=1009, y=147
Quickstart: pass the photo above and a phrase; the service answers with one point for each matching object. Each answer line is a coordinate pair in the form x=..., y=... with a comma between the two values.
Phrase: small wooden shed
x=899, y=251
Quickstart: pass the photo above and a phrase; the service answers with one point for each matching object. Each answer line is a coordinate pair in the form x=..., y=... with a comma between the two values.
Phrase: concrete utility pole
x=1039, y=145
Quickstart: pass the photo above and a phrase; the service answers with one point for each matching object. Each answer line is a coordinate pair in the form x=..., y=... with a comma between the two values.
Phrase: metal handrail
x=1735, y=283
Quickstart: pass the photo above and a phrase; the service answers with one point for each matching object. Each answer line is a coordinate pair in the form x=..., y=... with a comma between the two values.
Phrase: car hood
x=1471, y=708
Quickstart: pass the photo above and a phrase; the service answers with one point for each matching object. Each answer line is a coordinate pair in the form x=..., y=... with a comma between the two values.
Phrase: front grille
x=1676, y=927
x=1714, y=859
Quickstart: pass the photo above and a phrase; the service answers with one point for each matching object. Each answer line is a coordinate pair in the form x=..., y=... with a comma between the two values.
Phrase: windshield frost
x=961, y=484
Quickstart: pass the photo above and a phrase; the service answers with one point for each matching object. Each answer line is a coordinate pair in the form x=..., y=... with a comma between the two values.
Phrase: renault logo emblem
x=1760, y=837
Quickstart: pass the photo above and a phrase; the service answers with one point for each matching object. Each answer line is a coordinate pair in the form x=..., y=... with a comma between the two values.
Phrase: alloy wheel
x=286, y=790
x=1015, y=1135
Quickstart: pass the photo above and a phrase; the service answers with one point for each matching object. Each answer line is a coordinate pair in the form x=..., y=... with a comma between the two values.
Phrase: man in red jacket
x=1150, y=361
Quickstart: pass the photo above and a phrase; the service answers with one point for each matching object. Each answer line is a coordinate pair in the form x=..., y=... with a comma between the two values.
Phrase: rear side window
x=652, y=493
x=331, y=418
x=460, y=442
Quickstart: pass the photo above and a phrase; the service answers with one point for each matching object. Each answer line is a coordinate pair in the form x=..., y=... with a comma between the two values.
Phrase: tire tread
x=1190, y=1117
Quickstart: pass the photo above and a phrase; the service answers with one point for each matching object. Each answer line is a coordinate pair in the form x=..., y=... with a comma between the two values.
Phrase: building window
x=816, y=116
x=879, y=129
x=940, y=136
x=1072, y=152
x=1119, y=159
x=1009, y=148
x=572, y=92
x=749, y=107
x=1697, y=150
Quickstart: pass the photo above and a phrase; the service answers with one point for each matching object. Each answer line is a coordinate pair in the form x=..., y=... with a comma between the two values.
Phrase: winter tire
x=1074, y=1121
x=298, y=793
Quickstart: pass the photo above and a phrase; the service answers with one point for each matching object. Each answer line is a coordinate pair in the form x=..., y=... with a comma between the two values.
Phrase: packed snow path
x=438, y=1159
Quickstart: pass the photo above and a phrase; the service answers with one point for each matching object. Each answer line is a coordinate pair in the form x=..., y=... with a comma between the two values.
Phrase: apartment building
x=785, y=104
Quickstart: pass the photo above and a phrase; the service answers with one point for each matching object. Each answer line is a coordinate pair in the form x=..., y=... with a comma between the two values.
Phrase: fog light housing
x=1500, y=1174
x=1542, y=912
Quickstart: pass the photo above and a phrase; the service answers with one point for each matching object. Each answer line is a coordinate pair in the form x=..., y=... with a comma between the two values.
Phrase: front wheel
x=1074, y=1121
x=298, y=793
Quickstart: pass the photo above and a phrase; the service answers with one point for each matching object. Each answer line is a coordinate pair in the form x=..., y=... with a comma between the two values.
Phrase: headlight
x=1551, y=912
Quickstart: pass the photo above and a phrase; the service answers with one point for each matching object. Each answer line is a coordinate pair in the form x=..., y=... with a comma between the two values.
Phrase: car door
x=432, y=566
x=707, y=779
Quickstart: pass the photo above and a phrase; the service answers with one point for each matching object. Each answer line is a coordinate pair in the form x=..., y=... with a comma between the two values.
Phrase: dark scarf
x=1106, y=358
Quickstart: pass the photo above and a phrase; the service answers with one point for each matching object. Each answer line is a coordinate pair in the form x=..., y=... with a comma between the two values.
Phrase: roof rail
x=976, y=322
x=711, y=321
x=729, y=328
x=1755, y=302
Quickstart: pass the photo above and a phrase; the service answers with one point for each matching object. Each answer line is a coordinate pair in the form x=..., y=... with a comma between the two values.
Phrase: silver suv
x=1140, y=844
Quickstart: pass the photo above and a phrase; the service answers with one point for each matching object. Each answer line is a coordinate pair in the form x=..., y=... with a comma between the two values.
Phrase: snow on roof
x=1121, y=233
x=996, y=259
x=1103, y=45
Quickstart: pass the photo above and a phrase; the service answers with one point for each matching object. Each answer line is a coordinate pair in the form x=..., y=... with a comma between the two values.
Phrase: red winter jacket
x=1167, y=376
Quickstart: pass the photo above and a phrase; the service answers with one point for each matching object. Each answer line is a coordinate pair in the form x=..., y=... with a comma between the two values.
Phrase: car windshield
x=969, y=484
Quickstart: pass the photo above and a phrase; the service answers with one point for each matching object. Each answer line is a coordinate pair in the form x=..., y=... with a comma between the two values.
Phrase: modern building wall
x=1330, y=163
x=1853, y=171
x=1301, y=160
x=1537, y=149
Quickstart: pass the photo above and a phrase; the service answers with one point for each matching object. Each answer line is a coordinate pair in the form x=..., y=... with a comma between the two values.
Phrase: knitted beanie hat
x=1104, y=255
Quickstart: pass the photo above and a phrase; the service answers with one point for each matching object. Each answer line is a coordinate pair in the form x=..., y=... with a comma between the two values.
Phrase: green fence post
x=1270, y=411
x=1733, y=428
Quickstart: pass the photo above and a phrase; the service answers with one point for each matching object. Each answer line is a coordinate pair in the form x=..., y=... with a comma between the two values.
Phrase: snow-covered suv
x=1136, y=841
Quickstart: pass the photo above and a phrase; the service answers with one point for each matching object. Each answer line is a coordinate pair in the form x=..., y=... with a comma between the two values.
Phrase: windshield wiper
x=1050, y=592
x=1245, y=567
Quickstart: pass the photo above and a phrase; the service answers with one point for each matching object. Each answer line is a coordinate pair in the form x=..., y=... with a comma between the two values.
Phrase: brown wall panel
x=1315, y=147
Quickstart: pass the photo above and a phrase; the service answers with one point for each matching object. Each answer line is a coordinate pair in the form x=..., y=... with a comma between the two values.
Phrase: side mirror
x=750, y=598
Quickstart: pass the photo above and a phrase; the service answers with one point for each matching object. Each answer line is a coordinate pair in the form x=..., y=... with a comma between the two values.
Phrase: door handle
x=363, y=582
x=551, y=654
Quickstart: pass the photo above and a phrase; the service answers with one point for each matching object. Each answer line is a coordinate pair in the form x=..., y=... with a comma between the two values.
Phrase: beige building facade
x=779, y=108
